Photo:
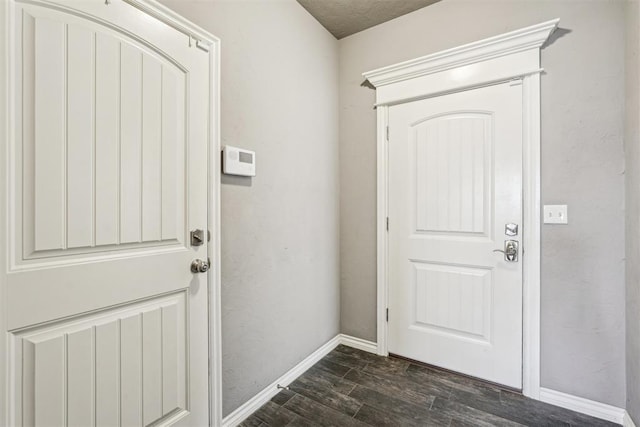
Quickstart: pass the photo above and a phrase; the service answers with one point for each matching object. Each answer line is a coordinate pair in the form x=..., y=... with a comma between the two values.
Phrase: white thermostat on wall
x=236, y=161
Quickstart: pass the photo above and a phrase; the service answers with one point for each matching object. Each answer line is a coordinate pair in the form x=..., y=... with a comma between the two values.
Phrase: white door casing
x=455, y=180
x=111, y=124
x=513, y=55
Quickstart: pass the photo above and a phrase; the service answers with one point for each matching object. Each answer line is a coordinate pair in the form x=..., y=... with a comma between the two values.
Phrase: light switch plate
x=555, y=214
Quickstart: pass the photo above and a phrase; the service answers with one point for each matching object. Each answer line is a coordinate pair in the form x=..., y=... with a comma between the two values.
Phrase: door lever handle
x=510, y=250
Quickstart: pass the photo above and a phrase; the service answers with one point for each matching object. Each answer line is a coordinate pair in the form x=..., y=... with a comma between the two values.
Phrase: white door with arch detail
x=108, y=173
x=455, y=196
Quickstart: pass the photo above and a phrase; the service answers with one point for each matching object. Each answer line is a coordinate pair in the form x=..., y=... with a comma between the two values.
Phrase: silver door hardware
x=511, y=229
x=197, y=237
x=510, y=250
x=199, y=266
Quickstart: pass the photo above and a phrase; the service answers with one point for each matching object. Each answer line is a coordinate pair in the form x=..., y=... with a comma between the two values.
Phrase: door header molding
x=510, y=55
x=532, y=37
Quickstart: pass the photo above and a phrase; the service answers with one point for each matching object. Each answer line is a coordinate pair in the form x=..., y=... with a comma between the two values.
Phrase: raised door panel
x=102, y=158
x=452, y=174
x=119, y=367
x=452, y=301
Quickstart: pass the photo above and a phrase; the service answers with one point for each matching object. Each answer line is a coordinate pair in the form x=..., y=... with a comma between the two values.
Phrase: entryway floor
x=350, y=387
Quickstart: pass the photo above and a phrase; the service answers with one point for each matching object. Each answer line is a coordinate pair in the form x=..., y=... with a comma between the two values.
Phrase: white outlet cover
x=555, y=214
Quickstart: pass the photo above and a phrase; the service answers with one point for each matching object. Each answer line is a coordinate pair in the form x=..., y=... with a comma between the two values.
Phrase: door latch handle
x=510, y=250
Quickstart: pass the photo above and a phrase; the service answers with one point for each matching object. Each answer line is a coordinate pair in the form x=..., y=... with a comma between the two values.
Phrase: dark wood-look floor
x=349, y=387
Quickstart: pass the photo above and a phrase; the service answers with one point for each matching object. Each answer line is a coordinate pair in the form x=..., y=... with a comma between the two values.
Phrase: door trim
x=202, y=40
x=513, y=56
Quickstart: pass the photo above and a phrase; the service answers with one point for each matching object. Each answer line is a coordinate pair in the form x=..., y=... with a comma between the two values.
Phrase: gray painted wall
x=280, y=265
x=583, y=291
x=632, y=177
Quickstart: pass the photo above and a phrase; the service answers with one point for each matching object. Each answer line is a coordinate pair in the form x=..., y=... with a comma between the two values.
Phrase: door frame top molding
x=511, y=56
x=499, y=58
x=196, y=37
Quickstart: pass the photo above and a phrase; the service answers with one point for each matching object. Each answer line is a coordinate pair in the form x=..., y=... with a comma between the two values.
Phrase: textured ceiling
x=345, y=17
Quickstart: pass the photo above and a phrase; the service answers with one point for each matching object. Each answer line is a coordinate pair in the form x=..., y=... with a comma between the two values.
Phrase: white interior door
x=108, y=173
x=455, y=181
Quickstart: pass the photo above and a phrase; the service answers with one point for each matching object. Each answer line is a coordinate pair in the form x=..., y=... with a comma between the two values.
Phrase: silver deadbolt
x=197, y=237
x=511, y=229
x=199, y=266
x=510, y=250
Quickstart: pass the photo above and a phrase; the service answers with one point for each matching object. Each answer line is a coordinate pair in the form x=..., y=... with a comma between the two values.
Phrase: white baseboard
x=243, y=412
x=586, y=406
x=358, y=343
x=627, y=421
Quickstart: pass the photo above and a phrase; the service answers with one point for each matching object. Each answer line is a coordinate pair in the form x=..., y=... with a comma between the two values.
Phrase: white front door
x=108, y=173
x=455, y=182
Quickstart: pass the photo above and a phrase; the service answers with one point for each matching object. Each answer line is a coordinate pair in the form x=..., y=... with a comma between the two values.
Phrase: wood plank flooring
x=349, y=387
